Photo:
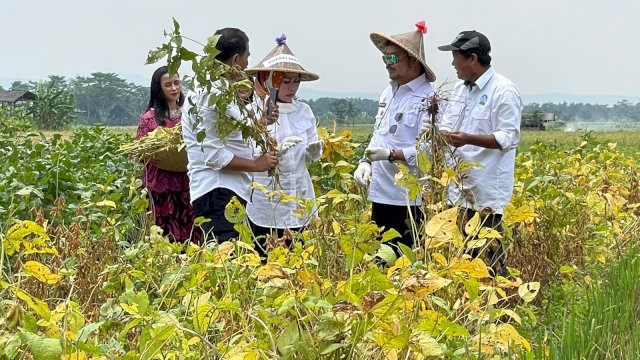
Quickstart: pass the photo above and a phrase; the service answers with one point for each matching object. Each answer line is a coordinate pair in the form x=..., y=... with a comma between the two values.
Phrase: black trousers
x=493, y=253
x=211, y=205
x=261, y=234
x=397, y=217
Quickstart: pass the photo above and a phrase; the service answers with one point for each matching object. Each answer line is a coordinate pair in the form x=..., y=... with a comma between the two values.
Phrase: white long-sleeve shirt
x=401, y=111
x=295, y=119
x=492, y=106
x=208, y=158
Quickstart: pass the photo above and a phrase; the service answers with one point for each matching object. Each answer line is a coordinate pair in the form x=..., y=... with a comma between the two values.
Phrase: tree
x=55, y=107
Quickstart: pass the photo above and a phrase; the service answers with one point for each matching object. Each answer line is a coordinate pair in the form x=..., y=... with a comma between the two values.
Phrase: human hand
x=455, y=138
x=275, y=113
x=362, y=175
x=314, y=150
x=266, y=161
x=288, y=143
x=377, y=153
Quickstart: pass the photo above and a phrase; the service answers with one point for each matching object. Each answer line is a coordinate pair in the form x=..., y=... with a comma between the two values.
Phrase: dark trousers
x=265, y=237
x=397, y=217
x=493, y=253
x=211, y=205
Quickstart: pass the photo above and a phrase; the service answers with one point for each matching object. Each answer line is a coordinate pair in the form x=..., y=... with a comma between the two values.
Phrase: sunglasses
x=390, y=59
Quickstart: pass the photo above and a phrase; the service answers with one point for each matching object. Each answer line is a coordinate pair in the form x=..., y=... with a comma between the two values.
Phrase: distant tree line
x=623, y=110
x=108, y=99
x=101, y=98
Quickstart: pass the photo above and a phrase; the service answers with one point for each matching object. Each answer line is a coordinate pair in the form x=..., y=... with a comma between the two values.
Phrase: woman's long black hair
x=157, y=101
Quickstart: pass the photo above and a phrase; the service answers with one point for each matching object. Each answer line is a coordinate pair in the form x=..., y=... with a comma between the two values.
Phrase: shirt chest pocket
x=481, y=120
x=403, y=124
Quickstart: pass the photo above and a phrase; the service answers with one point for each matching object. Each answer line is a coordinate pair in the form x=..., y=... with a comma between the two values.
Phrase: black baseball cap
x=468, y=40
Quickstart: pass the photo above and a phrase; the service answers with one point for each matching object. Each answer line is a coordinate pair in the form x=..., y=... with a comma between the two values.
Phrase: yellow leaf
x=506, y=335
x=476, y=268
x=270, y=271
x=472, y=226
x=392, y=341
x=106, y=203
x=336, y=227
x=442, y=228
x=38, y=306
x=426, y=345
x=512, y=314
x=422, y=284
x=488, y=233
x=223, y=252
x=40, y=272
x=202, y=316
x=234, y=212
x=529, y=290
x=28, y=234
x=439, y=258
x=602, y=259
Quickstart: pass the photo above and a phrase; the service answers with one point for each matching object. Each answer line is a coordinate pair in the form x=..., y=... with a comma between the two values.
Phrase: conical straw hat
x=282, y=59
x=412, y=42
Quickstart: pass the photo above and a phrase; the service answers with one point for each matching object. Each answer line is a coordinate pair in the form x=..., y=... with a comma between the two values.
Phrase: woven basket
x=171, y=160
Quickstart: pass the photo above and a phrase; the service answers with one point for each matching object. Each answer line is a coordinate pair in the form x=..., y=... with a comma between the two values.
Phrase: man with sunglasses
x=482, y=125
x=401, y=114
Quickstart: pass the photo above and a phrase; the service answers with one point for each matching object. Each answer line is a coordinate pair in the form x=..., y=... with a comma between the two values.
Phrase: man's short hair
x=232, y=41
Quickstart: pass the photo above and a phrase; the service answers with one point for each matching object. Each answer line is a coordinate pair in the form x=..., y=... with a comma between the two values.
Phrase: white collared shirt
x=295, y=119
x=401, y=111
x=492, y=106
x=208, y=158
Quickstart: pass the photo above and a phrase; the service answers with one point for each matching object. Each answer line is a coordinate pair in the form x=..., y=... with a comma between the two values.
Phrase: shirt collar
x=413, y=84
x=485, y=77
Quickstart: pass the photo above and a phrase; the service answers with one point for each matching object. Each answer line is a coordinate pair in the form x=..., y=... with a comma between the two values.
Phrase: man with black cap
x=401, y=113
x=482, y=124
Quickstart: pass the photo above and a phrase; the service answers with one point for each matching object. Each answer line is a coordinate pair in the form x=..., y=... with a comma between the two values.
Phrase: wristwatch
x=392, y=155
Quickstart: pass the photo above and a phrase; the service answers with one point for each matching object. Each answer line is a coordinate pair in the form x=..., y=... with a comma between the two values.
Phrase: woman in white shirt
x=298, y=143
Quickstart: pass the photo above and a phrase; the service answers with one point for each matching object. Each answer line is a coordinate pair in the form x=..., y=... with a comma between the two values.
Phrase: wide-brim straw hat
x=412, y=42
x=282, y=59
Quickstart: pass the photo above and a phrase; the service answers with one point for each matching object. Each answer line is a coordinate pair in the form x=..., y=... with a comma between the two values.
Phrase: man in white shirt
x=220, y=168
x=401, y=113
x=482, y=123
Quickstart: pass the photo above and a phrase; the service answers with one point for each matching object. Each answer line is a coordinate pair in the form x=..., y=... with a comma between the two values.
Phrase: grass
x=609, y=327
x=627, y=140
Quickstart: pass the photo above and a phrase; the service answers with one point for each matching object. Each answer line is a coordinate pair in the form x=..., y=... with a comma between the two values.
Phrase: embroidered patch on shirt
x=483, y=99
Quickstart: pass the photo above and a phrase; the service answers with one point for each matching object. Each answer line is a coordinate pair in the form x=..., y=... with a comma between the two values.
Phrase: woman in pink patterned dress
x=168, y=190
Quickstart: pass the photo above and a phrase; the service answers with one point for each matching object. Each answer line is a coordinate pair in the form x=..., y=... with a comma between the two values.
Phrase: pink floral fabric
x=169, y=191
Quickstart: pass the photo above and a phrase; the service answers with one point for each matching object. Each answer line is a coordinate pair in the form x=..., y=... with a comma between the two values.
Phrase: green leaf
x=389, y=341
x=390, y=234
x=155, y=55
x=288, y=339
x=408, y=252
x=41, y=348
x=210, y=49
x=424, y=164
x=386, y=253
x=329, y=348
x=153, y=337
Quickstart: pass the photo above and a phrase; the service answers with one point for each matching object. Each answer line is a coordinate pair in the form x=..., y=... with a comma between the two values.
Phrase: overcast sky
x=543, y=46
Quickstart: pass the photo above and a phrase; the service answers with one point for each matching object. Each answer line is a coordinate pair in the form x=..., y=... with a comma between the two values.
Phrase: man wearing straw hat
x=220, y=168
x=482, y=124
x=401, y=114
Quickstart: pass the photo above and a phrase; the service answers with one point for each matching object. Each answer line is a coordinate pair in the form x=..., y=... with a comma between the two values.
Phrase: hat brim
x=379, y=40
x=304, y=74
x=448, y=48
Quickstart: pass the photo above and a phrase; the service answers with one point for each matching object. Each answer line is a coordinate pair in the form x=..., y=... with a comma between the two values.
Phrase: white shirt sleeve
x=507, y=125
